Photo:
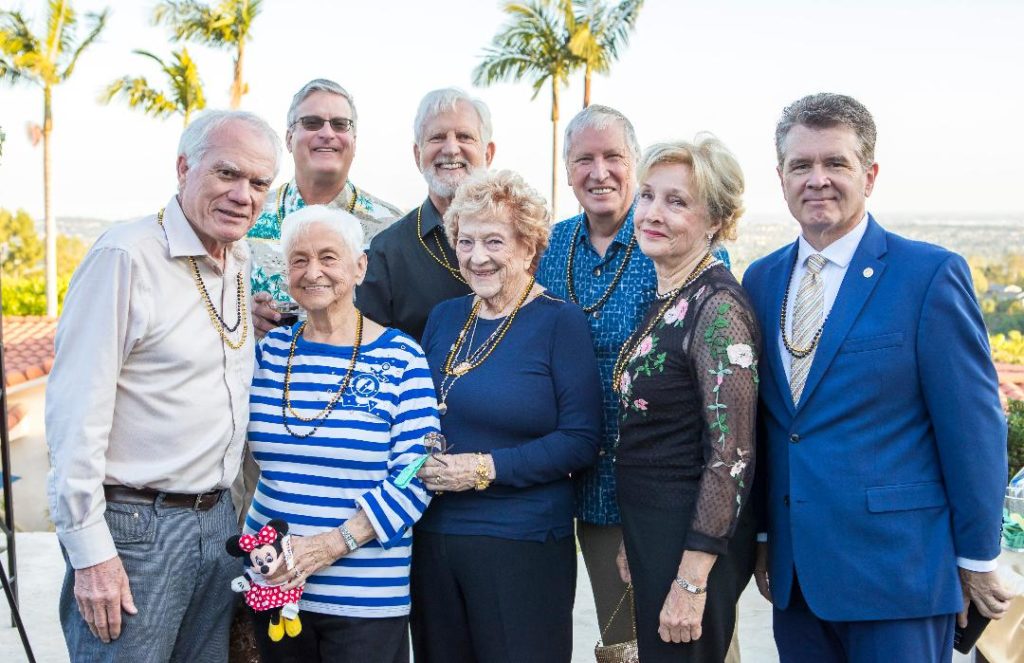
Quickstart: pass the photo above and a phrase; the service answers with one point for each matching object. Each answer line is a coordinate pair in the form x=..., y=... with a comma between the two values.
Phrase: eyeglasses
x=437, y=445
x=340, y=125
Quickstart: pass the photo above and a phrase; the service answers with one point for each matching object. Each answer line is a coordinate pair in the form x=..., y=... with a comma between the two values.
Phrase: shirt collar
x=624, y=236
x=430, y=219
x=182, y=240
x=839, y=252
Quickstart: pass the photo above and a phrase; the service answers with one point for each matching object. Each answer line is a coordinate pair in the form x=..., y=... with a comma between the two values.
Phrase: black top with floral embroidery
x=687, y=402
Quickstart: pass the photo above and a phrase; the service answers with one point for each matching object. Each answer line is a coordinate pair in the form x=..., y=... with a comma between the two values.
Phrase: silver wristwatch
x=350, y=540
x=689, y=586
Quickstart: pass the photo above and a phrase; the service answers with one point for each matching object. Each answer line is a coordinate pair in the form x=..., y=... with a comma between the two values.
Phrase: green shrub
x=1015, y=439
x=27, y=296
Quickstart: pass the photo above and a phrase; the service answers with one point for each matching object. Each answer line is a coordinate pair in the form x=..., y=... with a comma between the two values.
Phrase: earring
x=710, y=237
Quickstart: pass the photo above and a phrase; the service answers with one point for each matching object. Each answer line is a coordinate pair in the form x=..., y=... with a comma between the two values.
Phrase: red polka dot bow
x=264, y=537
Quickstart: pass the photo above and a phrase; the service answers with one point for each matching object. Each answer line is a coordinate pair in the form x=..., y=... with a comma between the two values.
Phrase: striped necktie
x=810, y=307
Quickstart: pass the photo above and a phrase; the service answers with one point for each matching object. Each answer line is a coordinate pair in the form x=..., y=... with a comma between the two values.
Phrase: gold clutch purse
x=623, y=652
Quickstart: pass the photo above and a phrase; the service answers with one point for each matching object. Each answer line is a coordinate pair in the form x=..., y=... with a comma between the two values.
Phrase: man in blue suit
x=883, y=445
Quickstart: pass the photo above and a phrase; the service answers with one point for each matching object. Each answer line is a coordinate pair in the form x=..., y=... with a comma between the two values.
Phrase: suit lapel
x=778, y=277
x=854, y=292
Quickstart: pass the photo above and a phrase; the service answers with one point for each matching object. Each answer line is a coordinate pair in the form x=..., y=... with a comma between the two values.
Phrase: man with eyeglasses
x=321, y=136
x=412, y=267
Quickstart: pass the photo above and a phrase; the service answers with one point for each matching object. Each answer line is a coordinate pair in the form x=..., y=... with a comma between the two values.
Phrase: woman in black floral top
x=687, y=384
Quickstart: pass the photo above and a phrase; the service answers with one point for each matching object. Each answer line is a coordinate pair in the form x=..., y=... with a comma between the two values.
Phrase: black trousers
x=333, y=639
x=654, y=545
x=479, y=599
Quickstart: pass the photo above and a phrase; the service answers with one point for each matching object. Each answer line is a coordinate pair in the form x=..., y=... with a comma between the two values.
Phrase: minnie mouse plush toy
x=264, y=550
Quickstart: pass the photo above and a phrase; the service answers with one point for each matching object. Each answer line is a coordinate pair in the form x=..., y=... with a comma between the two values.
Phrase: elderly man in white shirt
x=147, y=408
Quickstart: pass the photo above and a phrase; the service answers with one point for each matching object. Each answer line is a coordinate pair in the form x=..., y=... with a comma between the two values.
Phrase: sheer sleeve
x=724, y=351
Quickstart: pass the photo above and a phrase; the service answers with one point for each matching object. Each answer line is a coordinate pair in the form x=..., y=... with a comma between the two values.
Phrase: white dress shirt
x=839, y=254
x=143, y=391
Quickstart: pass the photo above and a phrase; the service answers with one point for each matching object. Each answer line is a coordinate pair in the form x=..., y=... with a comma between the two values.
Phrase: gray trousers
x=179, y=574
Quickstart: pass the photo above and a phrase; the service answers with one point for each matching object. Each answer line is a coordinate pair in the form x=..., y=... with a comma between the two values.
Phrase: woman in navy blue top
x=494, y=562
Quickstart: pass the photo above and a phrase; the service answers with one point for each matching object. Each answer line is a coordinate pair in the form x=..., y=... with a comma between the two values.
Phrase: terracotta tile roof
x=1011, y=382
x=28, y=344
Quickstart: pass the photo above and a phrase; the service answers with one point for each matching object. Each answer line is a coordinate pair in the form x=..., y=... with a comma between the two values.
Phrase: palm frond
x=99, y=21
x=184, y=96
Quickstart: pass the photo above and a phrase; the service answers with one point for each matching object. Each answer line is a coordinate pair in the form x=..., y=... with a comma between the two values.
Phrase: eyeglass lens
x=315, y=123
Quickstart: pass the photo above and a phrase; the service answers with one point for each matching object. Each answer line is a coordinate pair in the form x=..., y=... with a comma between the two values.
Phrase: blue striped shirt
x=349, y=464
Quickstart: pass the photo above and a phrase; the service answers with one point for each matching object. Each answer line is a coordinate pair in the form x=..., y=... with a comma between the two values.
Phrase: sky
x=942, y=78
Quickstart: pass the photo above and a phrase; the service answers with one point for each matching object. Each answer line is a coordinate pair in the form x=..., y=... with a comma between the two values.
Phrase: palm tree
x=597, y=31
x=225, y=25
x=533, y=45
x=46, y=61
x=185, y=95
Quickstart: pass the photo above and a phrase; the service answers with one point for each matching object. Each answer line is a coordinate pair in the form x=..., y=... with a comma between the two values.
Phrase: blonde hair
x=502, y=194
x=717, y=177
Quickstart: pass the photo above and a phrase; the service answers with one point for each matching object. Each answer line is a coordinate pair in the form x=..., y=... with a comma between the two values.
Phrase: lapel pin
x=868, y=272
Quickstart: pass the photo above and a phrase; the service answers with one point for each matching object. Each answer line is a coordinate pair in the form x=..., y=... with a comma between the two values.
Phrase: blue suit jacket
x=894, y=461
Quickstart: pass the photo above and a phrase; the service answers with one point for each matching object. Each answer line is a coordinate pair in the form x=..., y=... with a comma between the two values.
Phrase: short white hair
x=445, y=100
x=195, y=139
x=346, y=226
x=599, y=118
x=321, y=85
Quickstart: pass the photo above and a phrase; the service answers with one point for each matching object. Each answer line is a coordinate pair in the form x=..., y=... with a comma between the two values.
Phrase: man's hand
x=101, y=592
x=623, y=564
x=987, y=593
x=264, y=317
x=761, y=571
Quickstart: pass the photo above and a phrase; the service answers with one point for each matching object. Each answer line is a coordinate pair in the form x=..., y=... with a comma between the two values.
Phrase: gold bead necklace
x=443, y=260
x=215, y=317
x=474, y=358
x=320, y=417
x=282, y=191
x=634, y=340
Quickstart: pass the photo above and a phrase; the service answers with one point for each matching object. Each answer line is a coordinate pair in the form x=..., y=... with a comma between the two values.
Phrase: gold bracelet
x=483, y=481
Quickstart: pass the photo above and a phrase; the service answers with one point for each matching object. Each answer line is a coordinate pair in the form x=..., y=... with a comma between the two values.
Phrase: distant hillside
x=985, y=236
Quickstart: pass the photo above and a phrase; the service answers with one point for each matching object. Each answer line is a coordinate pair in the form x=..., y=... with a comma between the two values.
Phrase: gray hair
x=195, y=139
x=444, y=100
x=826, y=110
x=343, y=224
x=598, y=117
x=321, y=85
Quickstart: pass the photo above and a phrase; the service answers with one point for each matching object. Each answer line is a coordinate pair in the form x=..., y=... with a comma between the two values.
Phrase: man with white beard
x=412, y=266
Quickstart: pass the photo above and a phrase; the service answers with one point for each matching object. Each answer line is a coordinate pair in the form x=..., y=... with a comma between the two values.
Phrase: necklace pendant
x=462, y=368
x=442, y=408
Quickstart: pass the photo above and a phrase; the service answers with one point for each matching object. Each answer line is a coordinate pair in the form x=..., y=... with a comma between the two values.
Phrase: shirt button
x=601, y=452
x=794, y=438
x=785, y=500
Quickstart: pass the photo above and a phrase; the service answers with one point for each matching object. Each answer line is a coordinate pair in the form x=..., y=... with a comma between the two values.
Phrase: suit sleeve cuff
x=762, y=537
x=89, y=545
x=975, y=565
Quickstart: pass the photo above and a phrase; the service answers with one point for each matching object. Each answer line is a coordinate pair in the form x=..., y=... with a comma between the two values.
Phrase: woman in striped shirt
x=339, y=407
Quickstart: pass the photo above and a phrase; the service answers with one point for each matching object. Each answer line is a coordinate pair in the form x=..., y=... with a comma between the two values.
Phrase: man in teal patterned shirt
x=321, y=137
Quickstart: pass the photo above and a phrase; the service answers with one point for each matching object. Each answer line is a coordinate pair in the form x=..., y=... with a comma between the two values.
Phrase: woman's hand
x=309, y=555
x=623, y=563
x=453, y=473
x=681, y=615
x=683, y=611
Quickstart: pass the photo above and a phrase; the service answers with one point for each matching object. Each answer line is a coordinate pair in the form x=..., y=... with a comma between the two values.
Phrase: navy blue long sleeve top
x=534, y=404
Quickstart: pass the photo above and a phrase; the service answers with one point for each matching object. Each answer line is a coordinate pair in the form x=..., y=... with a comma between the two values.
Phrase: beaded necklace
x=223, y=329
x=795, y=352
x=474, y=358
x=282, y=191
x=634, y=340
x=571, y=289
x=320, y=417
x=443, y=260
